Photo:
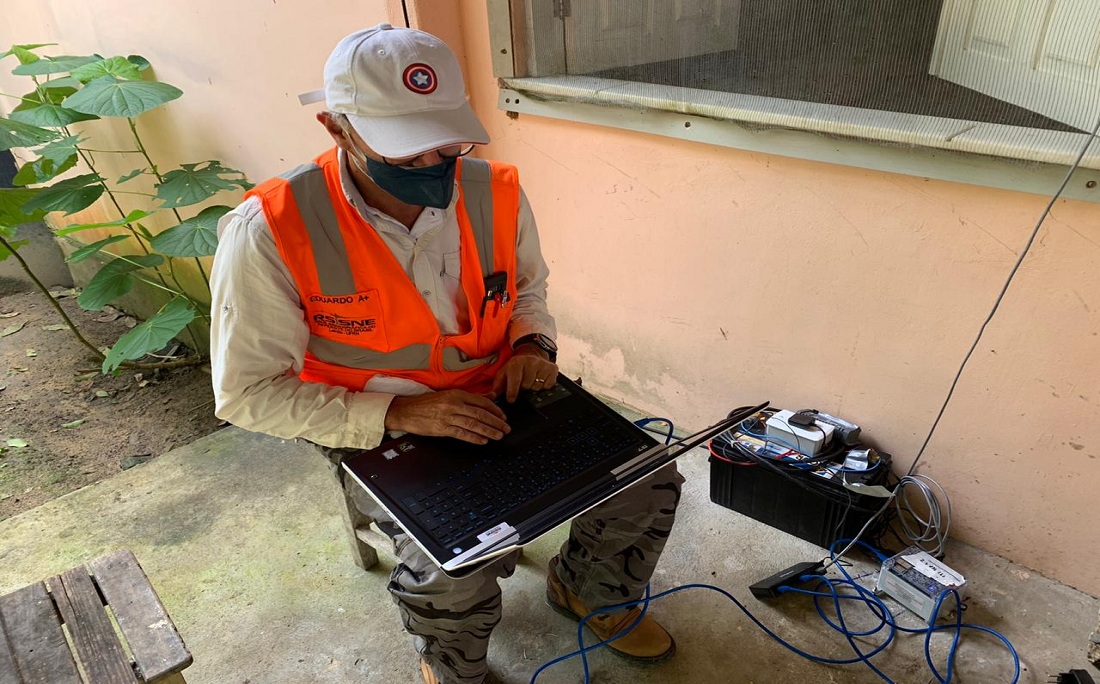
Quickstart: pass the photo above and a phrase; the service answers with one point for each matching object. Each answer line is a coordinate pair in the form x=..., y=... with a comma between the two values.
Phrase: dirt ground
x=63, y=424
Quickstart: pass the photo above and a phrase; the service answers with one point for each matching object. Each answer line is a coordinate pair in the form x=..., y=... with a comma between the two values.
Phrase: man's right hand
x=449, y=413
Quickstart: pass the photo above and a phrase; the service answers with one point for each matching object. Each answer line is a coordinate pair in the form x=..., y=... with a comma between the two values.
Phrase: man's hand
x=529, y=368
x=449, y=413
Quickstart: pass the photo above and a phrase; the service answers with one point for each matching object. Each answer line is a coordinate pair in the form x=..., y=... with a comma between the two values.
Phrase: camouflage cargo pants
x=609, y=557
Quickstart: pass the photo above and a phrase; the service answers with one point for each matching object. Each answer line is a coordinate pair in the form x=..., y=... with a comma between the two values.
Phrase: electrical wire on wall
x=936, y=527
x=1004, y=289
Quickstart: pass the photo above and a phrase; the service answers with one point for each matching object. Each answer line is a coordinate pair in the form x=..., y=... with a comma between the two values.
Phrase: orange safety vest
x=365, y=315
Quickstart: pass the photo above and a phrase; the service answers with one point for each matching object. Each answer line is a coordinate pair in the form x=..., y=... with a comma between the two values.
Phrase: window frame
x=974, y=152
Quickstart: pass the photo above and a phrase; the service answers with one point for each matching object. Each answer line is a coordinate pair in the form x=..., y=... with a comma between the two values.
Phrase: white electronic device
x=916, y=580
x=809, y=439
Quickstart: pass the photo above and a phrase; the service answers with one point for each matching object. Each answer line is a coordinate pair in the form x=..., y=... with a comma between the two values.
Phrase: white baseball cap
x=402, y=91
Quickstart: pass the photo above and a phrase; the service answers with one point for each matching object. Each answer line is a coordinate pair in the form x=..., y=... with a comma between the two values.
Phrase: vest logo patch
x=344, y=325
x=345, y=316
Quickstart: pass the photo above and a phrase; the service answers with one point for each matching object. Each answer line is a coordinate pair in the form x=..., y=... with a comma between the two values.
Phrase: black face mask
x=424, y=186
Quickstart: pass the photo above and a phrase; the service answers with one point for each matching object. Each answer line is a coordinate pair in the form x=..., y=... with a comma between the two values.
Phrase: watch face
x=546, y=343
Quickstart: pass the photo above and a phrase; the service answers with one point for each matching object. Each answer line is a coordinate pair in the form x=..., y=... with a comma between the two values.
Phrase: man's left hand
x=529, y=368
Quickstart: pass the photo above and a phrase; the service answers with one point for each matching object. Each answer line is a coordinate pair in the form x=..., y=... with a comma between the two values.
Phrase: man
x=351, y=298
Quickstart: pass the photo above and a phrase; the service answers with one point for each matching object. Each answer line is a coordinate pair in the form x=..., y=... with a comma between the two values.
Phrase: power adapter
x=1072, y=677
x=769, y=588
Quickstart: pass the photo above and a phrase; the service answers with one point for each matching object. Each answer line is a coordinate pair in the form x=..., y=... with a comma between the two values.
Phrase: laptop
x=465, y=504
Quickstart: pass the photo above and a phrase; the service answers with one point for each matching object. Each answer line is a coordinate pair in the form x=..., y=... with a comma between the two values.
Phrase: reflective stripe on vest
x=333, y=268
x=412, y=357
x=477, y=191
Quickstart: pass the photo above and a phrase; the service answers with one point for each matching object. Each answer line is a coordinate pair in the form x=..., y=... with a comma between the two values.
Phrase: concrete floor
x=242, y=537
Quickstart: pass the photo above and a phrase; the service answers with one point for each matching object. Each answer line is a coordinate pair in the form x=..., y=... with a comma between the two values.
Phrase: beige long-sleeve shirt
x=258, y=332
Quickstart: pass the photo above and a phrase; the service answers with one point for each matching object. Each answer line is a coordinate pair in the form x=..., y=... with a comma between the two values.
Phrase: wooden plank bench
x=60, y=631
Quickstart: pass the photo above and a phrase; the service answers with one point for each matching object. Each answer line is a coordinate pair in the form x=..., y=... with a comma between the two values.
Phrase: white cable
x=935, y=529
x=938, y=525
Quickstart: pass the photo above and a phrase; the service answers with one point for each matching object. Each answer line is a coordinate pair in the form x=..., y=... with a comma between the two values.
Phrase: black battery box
x=777, y=500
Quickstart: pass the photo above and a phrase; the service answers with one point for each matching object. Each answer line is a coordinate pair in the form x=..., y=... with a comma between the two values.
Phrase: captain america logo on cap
x=420, y=78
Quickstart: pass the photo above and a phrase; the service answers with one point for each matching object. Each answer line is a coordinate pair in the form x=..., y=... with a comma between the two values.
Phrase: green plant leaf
x=150, y=335
x=5, y=252
x=190, y=184
x=133, y=174
x=88, y=250
x=25, y=53
x=135, y=215
x=17, y=442
x=41, y=170
x=54, y=65
x=56, y=158
x=12, y=201
x=76, y=423
x=50, y=115
x=70, y=195
x=61, y=149
x=108, y=96
x=50, y=92
x=119, y=67
x=114, y=280
x=17, y=134
x=66, y=85
x=194, y=237
x=140, y=62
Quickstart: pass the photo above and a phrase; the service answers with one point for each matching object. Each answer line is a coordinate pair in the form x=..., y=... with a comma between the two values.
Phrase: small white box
x=808, y=440
x=916, y=580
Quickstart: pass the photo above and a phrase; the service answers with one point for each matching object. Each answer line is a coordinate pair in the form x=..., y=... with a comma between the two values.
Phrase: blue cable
x=646, y=421
x=878, y=608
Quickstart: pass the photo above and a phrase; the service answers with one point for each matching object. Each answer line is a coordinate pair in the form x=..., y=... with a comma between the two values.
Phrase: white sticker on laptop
x=389, y=454
x=498, y=531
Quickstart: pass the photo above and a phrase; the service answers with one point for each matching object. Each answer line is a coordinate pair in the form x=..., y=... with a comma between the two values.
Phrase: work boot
x=429, y=676
x=648, y=642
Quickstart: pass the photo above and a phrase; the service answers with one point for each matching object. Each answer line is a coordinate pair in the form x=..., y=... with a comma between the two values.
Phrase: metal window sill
x=1010, y=157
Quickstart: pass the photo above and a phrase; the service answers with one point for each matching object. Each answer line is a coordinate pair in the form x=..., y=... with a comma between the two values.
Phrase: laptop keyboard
x=471, y=500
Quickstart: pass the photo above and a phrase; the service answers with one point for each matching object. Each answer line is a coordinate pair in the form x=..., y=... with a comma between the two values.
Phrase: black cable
x=1004, y=289
x=405, y=10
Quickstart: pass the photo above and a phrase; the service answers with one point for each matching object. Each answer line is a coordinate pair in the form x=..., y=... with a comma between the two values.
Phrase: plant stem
x=54, y=302
x=140, y=241
x=17, y=97
x=114, y=151
x=110, y=195
x=160, y=179
x=178, y=363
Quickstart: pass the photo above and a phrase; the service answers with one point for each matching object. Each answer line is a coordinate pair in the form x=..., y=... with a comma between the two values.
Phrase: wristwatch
x=542, y=342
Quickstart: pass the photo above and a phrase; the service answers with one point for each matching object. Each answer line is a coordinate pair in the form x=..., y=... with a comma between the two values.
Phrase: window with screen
x=1010, y=78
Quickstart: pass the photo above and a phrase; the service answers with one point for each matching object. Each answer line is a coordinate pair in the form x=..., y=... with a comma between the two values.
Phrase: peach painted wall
x=240, y=64
x=689, y=279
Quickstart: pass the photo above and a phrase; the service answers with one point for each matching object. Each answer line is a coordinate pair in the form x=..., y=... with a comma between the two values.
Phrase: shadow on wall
x=43, y=254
